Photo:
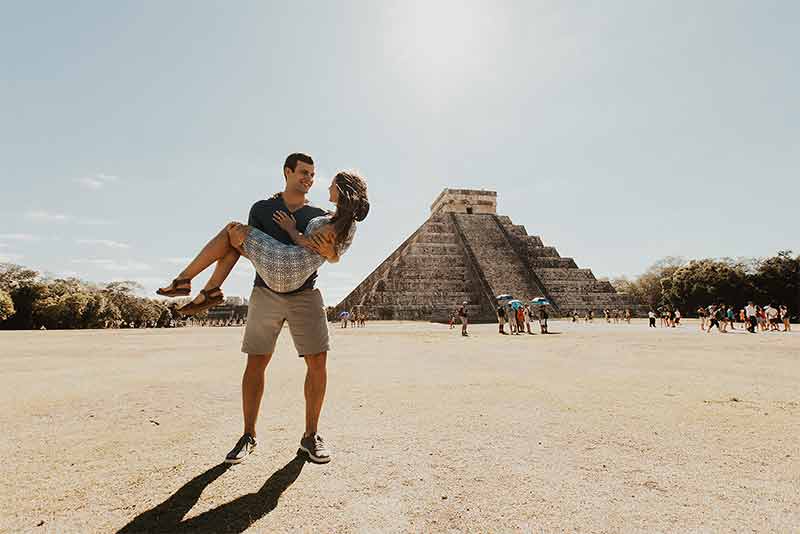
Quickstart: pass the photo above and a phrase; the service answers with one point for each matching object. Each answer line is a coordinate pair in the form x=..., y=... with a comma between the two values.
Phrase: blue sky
x=621, y=132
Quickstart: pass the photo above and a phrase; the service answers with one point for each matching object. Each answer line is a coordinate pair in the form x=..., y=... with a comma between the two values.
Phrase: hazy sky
x=621, y=132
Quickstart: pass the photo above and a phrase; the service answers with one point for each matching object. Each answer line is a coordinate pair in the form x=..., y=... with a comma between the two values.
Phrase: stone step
x=563, y=263
x=555, y=274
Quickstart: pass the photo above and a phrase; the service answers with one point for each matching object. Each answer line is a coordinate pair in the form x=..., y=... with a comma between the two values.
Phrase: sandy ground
x=601, y=428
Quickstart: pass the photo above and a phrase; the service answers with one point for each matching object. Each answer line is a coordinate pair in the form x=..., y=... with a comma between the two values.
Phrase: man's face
x=300, y=179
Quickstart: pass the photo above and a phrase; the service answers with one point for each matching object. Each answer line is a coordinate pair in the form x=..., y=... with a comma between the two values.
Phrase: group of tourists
x=753, y=318
x=610, y=316
x=670, y=318
x=356, y=318
x=519, y=319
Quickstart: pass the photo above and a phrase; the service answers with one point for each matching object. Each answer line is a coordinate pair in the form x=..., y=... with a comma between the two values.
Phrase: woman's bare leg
x=215, y=250
x=223, y=269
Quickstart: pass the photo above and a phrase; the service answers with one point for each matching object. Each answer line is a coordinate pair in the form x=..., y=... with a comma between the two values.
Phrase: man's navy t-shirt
x=261, y=217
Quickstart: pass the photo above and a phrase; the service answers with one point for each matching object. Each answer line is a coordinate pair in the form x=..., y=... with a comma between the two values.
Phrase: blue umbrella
x=504, y=297
x=540, y=300
x=344, y=314
x=516, y=304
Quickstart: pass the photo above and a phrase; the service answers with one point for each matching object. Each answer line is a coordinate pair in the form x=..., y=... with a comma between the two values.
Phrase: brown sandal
x=191, y=308
x=174, y=291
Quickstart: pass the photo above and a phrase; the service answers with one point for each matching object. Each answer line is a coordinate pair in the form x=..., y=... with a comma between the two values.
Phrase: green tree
x=777, y=279
x=6, y=306
x=702, y=282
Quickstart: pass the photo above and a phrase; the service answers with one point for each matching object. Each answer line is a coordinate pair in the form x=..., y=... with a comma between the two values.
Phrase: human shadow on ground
x=234, y=516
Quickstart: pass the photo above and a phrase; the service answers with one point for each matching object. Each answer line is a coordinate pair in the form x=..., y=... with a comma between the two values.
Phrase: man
x=464, y=315
x=303, y=309
x=501, y=319
x=715, y=316
x=651, y=315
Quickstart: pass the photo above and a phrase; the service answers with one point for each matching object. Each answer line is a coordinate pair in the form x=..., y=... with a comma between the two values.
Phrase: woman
x=283, y=267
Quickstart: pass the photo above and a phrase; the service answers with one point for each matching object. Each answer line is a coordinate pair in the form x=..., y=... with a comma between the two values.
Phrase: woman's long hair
x=352, y=205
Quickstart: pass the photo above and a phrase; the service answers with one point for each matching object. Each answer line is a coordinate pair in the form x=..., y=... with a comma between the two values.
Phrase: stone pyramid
x=466, y=252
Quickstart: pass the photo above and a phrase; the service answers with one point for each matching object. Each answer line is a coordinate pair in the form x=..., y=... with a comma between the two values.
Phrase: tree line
x=29, y=300
x=688, y=285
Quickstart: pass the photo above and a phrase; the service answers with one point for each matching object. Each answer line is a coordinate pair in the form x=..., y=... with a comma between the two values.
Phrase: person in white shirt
x=652, y=316
x=772, y=317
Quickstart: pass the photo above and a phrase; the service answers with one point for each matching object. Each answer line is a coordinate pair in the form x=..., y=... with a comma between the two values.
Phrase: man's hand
x=285, y=221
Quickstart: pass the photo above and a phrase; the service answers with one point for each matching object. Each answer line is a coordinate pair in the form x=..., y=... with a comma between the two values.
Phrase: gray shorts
x=304, y=311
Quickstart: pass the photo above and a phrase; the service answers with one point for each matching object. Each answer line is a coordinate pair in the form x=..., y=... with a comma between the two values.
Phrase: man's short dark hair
x=292, y=159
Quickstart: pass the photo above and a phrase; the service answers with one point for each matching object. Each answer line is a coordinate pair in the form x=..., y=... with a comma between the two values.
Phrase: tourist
x=284, y=286
x=520, y=315
x=543, y=319
x=761, y=316
x=773, y=318
x=501, y=320
x=527, y=314
x=628, y=315
x=574, y=316
x=452, y=318
x=731, y=317
x=752, y=317
x=607, y=315
x=787, y=326
x=715, y=316
x=463, y=314
x=723, y=319
x=591, y=316
x=651, y=315
x=510, y=317
x=702, y=313
x=664, y=318
x=677, y=319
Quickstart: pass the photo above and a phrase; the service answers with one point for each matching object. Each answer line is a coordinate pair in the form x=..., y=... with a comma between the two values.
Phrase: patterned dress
x=283, y=267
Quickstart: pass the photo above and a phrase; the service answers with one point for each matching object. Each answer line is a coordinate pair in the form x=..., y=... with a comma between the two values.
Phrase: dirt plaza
x=596, y=428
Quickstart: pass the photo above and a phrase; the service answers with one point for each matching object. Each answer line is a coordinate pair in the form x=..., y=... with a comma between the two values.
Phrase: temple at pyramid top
x=466, y=252
x=465, y=201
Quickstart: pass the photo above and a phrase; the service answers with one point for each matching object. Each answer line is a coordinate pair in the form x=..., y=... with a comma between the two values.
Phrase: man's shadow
x=234, y=516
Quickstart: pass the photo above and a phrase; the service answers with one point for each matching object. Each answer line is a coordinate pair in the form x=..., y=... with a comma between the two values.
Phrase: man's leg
x=252, y=392
x=309, y=329
x=253, y=389
x=314, y=389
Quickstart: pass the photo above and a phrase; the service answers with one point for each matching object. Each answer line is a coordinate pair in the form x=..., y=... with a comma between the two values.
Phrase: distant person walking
x=463, y=314
x=651, y=316
x=702, y=313
x=543, y=319
x=787, y=326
